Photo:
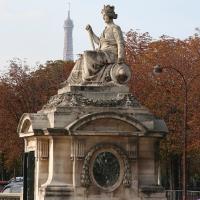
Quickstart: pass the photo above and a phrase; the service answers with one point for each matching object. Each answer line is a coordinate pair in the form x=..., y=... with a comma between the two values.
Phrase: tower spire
x=68, y=39
x=68, y=9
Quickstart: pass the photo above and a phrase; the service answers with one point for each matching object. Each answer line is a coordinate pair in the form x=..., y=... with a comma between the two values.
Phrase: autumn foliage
x=164, y=94
x=25, y=91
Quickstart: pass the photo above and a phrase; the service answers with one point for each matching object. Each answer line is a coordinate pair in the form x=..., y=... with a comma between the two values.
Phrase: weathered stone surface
x=152, y=193
x=93, y=140
x=98, y=96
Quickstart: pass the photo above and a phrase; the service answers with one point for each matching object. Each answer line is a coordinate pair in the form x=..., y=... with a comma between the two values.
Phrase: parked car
x=16, y=179
x=14, y=187
x=2, y=185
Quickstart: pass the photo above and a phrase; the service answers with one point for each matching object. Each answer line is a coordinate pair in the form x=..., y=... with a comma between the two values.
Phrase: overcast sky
x=33, y=29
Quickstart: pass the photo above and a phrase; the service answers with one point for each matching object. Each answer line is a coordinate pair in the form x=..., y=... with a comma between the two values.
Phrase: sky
x=33, y=29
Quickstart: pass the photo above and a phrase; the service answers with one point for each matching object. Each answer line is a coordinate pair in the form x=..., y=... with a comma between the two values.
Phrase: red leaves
x=164, y=94
x=23, y=91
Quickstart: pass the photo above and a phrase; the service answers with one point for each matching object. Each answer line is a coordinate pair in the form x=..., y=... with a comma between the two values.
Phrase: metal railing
x=177, y=195
x=11, y=196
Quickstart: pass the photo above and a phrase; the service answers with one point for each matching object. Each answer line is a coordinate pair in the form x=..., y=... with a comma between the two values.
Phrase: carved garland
x=70, y=99
x=85, y=175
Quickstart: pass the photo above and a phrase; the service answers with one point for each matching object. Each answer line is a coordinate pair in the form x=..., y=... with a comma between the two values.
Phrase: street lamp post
x=157, y=70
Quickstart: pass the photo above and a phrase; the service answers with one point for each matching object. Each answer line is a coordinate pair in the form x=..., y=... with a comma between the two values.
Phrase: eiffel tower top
x=68, y=21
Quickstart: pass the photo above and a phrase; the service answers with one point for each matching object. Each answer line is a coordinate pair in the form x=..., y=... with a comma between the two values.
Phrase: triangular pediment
x=107, y=125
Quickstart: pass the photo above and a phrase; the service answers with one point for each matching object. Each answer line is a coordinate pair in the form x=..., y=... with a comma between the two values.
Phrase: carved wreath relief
x=107, y=166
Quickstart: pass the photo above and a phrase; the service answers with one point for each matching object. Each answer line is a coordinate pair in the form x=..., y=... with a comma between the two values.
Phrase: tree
x=25, y=91
x=164, y=94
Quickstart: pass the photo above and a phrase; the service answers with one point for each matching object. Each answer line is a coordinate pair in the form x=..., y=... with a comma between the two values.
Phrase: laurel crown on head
x=109, y=11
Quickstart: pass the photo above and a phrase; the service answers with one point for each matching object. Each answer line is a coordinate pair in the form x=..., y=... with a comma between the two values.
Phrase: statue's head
x=109, y=11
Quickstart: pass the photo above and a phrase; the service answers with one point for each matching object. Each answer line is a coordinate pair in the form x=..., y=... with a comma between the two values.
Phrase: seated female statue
x=92, y=66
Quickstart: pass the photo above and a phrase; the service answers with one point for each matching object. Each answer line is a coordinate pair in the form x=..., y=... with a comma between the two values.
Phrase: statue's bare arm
x=94, y=36
x=120, y=43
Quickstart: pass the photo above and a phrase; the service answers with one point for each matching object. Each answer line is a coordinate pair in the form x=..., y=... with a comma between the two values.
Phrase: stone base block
x=152, y=193
x=153, y=196
x=57, y=192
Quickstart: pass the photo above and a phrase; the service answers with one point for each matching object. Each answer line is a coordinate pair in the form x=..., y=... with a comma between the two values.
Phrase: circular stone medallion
x=106, y=169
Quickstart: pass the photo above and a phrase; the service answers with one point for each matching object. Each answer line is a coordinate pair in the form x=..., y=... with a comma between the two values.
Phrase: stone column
x=59, y=183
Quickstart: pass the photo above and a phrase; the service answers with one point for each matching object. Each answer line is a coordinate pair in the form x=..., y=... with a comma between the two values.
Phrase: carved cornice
x=71, y=99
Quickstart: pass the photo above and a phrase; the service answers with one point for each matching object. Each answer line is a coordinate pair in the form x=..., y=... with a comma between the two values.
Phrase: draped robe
x=94, y=66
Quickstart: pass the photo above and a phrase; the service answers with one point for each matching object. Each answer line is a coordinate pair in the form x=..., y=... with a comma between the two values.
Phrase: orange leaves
x=164, y=94
x=25, y=91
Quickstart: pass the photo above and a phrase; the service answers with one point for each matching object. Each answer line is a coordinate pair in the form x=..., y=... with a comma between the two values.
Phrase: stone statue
x=106, y=63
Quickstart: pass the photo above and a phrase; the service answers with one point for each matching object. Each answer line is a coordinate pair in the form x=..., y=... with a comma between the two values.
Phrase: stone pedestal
x=94, y=142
